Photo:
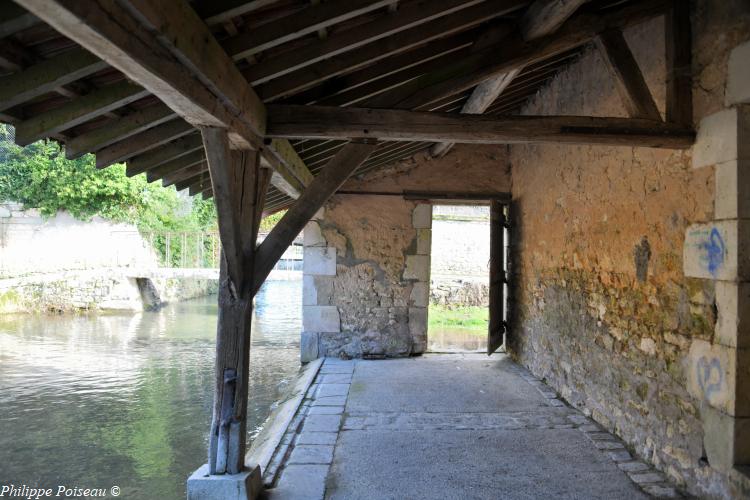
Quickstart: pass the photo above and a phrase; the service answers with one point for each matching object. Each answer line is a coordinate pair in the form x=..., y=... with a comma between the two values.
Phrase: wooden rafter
x=630, y=83
x=679, y=64
x=542, y=18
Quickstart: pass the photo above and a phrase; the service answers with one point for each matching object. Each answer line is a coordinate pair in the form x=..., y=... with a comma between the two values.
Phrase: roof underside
x=285, y=65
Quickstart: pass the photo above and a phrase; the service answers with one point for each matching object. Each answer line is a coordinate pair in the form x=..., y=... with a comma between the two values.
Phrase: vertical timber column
x=497, y=276
x=239, y=186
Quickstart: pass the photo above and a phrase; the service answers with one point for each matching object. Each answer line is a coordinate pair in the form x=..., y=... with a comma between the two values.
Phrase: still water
x=96, y=401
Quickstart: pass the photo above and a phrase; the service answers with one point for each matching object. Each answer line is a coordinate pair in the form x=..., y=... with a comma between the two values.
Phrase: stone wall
x=27, y=240
x=609, y=306
x=104, y=290
x=459, y=269
x=367, y=257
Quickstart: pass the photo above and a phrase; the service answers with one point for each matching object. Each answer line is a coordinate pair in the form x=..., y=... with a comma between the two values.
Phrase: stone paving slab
x=455, y=426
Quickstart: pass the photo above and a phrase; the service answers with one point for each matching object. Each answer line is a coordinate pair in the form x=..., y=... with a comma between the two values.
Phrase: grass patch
x=469, y=318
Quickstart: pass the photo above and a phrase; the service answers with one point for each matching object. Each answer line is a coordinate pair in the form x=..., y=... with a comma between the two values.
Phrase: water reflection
x=456, y=340
x=103, y=400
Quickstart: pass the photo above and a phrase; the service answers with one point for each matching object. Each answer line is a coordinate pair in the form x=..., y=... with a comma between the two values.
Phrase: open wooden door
x=498, y=279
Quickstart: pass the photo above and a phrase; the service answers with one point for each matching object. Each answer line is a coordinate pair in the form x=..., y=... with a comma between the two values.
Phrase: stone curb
x=270, y=442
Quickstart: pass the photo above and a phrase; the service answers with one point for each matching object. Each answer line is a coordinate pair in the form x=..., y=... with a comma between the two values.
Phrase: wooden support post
x=239, y=189
x=497, y=277
x=679, y=64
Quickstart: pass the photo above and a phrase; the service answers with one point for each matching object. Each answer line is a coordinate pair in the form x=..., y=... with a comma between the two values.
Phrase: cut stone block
x=321, y=319
x=301, y=481
x=418, y=327
x=325, y=390
x=719, y=250
x=417, y=268
x=424, y=241
x=726, y=439
x=420, y=294
x=317, y=290
x=308, y=347
x=317, y=437
x=422, y=216
x=312, y=236
x=312, y=454
x=244, y=486
x=733, y=321
x=738, y=75
x=320, y=261
x=732, y=196
x=322, y=423
x=717, y=375
x=722, y=137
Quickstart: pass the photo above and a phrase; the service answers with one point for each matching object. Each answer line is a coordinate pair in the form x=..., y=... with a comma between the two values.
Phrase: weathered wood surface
x=324, y=122
x=679, y=97
x=158, y=156
x=142, y=142
x=496, y=327
x=46, y=76
x=514, y=52
x=110, y=30
x=541, y=18
x=239, y=187
x=629, y=80
x=82, y=109
x=320, y=189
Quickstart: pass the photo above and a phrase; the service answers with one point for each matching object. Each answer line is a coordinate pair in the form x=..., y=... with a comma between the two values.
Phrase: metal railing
x=186, y=249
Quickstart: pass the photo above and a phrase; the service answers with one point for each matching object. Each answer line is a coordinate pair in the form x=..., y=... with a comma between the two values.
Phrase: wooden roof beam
x=165, y=47
x=112, y=132
x=47, y=76
x=156, y=157
x=145, y=141
x=97, y=103
x=542, y=18
x=396, y=125
x=175, y=165
x=581, y=28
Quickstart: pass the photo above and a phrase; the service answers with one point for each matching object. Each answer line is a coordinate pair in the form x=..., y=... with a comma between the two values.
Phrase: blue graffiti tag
x=714, y=249
x=709, y=383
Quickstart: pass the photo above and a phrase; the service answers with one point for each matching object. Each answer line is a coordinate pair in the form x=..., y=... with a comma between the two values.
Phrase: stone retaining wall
x=622, y=260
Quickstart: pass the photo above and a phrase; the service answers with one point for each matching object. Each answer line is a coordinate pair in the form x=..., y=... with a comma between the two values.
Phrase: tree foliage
x=40, y=177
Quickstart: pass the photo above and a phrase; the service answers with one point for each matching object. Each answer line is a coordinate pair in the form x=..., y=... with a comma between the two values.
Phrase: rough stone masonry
x=629, y=266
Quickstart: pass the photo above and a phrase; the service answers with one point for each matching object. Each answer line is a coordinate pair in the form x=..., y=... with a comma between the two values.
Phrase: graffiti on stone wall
x=710, y=244
x=710, y=375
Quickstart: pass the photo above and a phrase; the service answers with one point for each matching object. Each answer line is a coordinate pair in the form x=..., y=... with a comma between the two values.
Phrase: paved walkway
x=449, y=426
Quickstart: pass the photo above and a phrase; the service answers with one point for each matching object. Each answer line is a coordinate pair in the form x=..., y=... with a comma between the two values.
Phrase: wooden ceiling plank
x=97, y=103
x=410, y=16
x=398, y=125
x=46, y=76
x=369, y=54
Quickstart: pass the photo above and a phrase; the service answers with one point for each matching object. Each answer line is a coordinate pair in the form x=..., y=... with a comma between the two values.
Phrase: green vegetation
x=269, y=222
x=40, y=177
x=468, y=318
